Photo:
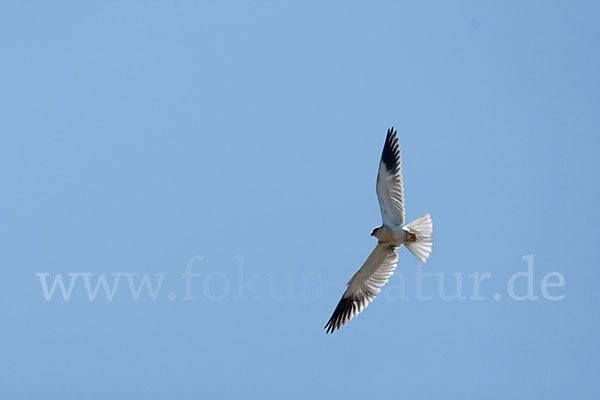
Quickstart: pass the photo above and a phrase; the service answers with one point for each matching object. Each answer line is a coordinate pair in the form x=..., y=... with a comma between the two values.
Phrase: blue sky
x=239, y=141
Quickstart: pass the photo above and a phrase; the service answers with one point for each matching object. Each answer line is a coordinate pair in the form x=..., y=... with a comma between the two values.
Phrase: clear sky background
x=243, y=139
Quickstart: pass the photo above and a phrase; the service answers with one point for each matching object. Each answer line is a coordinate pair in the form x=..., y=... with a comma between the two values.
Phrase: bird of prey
x=391, y=235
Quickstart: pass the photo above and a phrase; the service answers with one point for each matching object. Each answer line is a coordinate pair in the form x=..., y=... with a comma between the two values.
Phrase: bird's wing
x=364, y=285
x=389, y=182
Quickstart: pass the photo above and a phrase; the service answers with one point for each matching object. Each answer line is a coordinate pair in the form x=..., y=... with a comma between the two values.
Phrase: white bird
x=416, y=236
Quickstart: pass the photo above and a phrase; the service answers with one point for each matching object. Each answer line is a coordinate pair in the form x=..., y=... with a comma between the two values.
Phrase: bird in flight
x=391, y=235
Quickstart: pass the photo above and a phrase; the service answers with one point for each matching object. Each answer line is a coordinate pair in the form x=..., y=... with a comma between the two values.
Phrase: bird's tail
x=421, y=243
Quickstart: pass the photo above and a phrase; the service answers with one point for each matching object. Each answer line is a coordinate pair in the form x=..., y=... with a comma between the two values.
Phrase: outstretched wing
x=389, y=182
x=364, y=285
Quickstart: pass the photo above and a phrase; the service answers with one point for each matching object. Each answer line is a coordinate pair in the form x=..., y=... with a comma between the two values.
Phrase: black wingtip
x=391, y=151
x=342, y=314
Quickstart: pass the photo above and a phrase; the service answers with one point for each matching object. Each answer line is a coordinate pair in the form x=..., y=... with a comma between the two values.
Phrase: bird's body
x=391, y=235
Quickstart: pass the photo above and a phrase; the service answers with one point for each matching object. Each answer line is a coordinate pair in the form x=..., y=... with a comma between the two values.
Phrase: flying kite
x=391, y=235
